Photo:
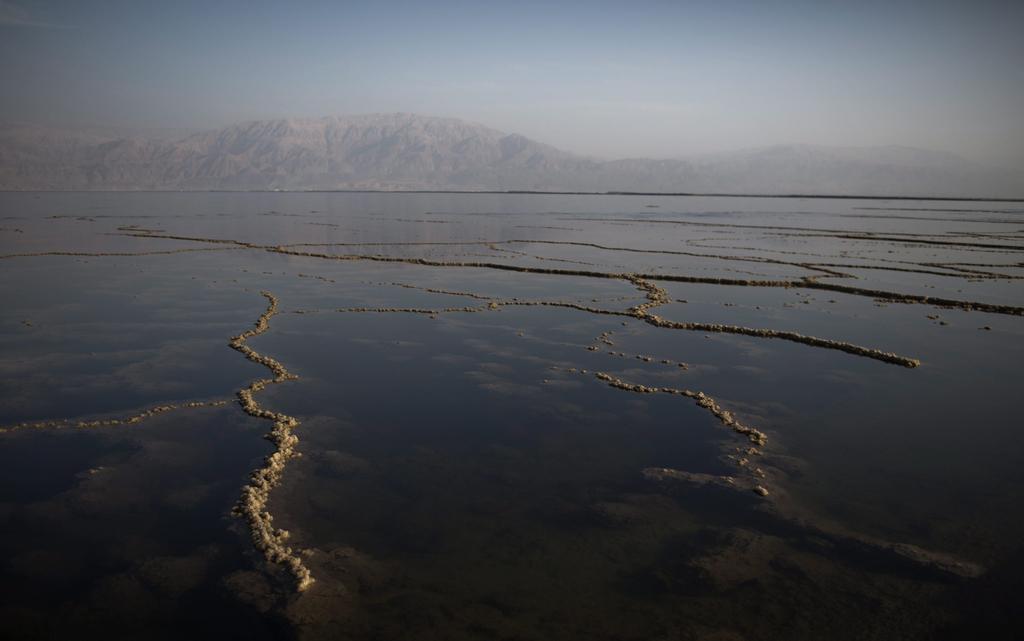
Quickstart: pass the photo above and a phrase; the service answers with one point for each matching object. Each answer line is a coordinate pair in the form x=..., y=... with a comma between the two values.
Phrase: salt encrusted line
x=253, y=503
x=803, y=283
x=755, y=436
x=110, y=422
x=656, y=296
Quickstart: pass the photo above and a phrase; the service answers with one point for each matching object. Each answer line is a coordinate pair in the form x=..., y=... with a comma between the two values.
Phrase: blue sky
x=604, y=78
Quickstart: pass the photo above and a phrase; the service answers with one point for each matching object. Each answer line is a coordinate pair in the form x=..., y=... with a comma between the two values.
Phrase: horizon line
x=514, y=192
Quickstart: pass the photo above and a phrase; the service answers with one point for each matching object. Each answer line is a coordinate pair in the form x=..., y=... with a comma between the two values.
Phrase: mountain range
x=413, y=152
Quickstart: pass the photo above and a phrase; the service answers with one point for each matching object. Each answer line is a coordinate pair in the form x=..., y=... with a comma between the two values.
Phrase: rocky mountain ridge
x=410, y=152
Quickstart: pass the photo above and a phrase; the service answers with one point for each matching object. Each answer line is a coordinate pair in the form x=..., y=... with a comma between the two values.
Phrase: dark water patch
x=39, y=465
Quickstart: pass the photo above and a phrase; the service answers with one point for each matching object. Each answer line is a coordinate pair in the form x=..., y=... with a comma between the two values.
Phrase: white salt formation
x=255, y=496
x=756, y=437
x=110, y=422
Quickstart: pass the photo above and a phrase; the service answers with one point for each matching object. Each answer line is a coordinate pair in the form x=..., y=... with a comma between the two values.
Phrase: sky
x=608, y=79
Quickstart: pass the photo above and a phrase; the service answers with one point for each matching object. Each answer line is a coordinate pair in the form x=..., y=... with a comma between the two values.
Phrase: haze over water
x=517, y=416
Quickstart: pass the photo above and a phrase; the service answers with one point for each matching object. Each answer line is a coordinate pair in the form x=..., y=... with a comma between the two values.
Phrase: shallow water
x=500, y=432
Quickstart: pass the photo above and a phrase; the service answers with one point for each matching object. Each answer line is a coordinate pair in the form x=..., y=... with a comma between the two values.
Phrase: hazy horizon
x=654, y=80
x=182, y=133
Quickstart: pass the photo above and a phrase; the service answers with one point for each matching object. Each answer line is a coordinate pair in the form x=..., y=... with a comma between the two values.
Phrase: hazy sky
x=604, y=78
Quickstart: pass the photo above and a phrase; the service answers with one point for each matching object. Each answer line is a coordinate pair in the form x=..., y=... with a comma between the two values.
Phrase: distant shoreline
x=508, y=192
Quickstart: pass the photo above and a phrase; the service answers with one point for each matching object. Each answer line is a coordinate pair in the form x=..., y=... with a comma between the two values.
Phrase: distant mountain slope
x=407, y=151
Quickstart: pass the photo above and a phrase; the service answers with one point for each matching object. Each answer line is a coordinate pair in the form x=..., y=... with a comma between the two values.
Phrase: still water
x=517, y=417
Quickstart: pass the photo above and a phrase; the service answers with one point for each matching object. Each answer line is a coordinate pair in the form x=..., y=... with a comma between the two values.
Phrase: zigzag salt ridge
x=253, y=503
x=757, y=437
x=656, y=296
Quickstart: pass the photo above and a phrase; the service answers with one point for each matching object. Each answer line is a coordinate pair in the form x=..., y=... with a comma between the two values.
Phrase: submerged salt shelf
x=509, y=415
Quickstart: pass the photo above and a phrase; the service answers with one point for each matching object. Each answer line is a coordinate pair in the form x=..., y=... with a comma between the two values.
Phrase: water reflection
x=467, y=471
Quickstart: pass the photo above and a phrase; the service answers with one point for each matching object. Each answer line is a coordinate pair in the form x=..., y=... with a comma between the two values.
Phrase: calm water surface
x=465, y=469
